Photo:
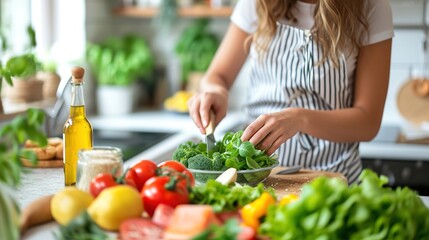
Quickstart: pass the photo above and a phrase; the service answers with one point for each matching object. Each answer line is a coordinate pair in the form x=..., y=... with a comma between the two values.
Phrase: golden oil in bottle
x=77, y=132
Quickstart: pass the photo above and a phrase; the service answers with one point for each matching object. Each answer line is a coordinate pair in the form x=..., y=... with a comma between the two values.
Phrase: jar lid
x=100, y=153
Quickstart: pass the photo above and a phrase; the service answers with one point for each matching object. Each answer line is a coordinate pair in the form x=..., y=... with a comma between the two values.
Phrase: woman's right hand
x=220, y=76
x=200, y=104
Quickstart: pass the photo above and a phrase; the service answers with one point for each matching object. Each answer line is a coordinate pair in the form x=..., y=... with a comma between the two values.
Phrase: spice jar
x=96, y=160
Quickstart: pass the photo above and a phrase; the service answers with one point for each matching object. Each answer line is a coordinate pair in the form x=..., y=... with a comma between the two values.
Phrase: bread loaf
x=54, y=149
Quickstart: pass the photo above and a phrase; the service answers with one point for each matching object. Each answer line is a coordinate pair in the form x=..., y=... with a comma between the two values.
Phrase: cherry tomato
x=101, y=182
x=139, y=173
x=139, y=229
x=173, y=164
x=161, y=190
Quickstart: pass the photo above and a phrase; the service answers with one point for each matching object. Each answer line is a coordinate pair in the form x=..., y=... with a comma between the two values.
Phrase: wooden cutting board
x=292, y=183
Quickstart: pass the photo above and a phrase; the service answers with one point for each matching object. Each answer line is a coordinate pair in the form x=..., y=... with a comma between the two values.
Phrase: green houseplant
x=22, y=68
x=196, y=48
x=117, y=64
x=17, y=69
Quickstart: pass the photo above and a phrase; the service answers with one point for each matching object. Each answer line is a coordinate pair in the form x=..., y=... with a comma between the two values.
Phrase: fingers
x=267, y=133
x=199, y=108
x=205, y=106
x=194, y=106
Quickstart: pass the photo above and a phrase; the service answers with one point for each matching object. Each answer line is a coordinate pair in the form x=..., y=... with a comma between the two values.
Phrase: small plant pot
x=51, y=83
x=115, y=100
x=29, y=89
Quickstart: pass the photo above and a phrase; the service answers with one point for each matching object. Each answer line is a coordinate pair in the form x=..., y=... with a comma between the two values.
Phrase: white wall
x=407, y=52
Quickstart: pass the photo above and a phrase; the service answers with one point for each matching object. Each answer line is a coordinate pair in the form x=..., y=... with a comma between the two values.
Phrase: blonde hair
x=338, y=24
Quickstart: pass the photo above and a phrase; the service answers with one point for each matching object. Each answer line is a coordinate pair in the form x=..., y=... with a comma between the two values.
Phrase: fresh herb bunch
x=226, y=198
x=12, y=137
x=329, y=209
x=230, y=152
x=81, y=228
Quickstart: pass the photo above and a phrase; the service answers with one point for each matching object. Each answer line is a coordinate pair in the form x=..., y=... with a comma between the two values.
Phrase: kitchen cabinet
x=197, y=11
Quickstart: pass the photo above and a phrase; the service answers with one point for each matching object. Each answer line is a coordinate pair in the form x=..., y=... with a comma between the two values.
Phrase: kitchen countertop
x=45, y=181
x=40, y=182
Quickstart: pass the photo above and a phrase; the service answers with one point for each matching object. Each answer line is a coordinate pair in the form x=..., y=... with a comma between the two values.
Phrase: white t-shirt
x=380, y=23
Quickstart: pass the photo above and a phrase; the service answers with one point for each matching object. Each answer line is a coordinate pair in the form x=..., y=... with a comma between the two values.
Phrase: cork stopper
x=77, y=74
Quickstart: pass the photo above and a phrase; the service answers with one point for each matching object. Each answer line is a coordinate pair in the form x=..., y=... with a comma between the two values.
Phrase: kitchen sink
x=130, y=142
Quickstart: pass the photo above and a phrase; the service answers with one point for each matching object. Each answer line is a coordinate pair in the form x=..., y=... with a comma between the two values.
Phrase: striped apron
x=288, y=75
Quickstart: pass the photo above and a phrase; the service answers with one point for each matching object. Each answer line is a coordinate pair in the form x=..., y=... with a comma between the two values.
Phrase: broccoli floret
x=184, y=152
x=200, y=162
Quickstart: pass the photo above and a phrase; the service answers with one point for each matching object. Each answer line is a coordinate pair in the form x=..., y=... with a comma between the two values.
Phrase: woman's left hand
x=269, y=131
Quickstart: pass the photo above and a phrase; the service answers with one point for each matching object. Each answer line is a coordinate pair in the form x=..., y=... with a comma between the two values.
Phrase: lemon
x=69, y=203
x=115, y=205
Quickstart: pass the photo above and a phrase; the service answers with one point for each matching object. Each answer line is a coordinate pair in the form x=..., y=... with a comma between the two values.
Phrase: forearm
x=344, y=125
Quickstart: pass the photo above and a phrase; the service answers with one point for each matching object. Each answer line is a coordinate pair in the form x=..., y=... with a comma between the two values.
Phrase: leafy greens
x=231, y=151
x=330, y=209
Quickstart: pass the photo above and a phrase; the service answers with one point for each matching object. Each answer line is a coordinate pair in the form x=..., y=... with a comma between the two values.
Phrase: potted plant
x=19, y=71
x=117, y=64
x=196, y=48
x=51, y=80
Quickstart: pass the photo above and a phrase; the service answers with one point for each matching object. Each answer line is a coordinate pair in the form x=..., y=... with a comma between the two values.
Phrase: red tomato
x=139, y=173
x=173, y=164
x=101, y=182
x=155, y=192
x=139, y=229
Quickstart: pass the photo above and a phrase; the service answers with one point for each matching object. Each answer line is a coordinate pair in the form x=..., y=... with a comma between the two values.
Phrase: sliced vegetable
x=162, y=215
x=140, y=229
x=227, y=177
x=189, y=220
x=253, y=212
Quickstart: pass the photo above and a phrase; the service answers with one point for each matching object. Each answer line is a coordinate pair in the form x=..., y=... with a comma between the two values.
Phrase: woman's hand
x=201, y=103
x=220, y=76
x=269, y=131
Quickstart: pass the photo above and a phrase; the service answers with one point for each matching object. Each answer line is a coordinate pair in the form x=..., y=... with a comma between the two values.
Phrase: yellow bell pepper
x=252, y=212
x=288, y=198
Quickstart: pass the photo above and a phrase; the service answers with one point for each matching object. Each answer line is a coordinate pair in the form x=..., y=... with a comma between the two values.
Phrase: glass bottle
x=77, y=131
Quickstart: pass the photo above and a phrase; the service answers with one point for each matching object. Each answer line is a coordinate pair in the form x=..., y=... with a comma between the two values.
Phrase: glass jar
x=96, y=160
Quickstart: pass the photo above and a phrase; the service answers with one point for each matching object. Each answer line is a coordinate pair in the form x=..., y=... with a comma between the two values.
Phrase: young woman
x=318, y=80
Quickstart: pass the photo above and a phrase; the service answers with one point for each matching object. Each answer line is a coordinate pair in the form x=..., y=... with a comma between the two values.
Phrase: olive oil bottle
x=77, y=132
